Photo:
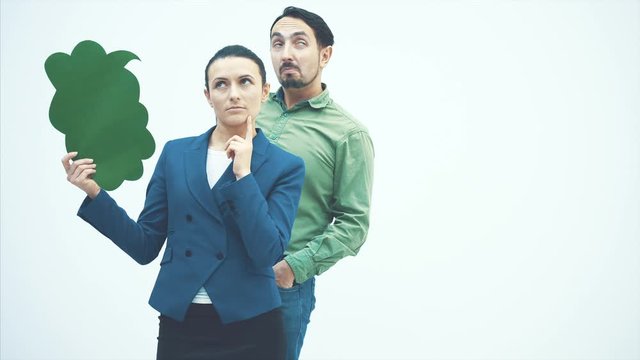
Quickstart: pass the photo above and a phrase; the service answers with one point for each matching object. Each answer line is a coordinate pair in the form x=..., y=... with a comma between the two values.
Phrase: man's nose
x=287, y=52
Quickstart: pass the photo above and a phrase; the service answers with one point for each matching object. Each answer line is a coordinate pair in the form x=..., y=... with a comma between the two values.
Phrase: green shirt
x=333, y=215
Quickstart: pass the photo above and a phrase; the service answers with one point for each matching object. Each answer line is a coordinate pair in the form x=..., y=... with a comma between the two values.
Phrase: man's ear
x=325, y=55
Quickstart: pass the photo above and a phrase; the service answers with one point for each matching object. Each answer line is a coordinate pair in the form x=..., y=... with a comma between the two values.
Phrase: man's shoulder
x=269, y=110
x=349, y=123
x=271, y=99
x=285, y=163
x=285, y=157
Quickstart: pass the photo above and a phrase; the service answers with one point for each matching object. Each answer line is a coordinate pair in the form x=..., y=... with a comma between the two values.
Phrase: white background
x=506, y=210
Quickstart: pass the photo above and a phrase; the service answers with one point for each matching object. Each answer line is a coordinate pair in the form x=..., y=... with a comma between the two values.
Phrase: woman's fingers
x=232, y=147
x=86, y=174
x=77, y=174
x=71, y=168
x=239, y=149
x=66, y=160
x=250, y=129
x=78, y=163
x=80, y=173
x=83, y=176
x=235, y=138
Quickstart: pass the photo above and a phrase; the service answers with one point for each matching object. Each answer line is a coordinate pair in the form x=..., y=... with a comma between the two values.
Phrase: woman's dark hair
x=321, y=30
x=235, y=51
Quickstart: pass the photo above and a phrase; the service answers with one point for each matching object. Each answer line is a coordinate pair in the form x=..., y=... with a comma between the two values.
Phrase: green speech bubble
x=96, y=106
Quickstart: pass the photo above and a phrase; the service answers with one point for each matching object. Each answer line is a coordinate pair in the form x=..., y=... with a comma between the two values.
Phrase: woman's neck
x=223, y=133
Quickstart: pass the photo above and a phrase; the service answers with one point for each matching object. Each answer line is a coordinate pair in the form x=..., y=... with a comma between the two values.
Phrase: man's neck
x=293, y=96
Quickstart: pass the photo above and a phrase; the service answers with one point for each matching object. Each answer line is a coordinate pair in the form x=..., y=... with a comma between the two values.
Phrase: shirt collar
x=317, y=102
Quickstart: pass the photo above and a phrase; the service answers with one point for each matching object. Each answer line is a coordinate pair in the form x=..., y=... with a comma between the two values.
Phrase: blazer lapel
x=260, y=147
x=260, y=144
x=227, y=177
x=195, y=160
x=257, y=159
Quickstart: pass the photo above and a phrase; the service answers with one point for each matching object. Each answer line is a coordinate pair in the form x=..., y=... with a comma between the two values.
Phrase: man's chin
x=292, y=83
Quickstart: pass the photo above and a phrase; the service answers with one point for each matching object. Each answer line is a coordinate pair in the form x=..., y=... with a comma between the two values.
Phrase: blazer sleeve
x=142, y=240
x=265, y=223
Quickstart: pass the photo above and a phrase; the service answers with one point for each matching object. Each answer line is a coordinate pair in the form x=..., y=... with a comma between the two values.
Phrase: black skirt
x=202, y=336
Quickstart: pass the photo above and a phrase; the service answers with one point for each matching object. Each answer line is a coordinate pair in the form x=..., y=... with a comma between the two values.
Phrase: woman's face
x=235, y=90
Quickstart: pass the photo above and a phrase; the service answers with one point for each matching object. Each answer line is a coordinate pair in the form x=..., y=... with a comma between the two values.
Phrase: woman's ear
x=206, y=94
x=265, y=91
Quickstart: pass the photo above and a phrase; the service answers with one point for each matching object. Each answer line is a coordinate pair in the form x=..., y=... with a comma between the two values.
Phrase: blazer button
x=189, y=218
x=220, y=255
x=187, y=253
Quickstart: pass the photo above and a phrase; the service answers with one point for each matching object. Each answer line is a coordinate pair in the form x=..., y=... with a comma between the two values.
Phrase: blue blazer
x=226, y=239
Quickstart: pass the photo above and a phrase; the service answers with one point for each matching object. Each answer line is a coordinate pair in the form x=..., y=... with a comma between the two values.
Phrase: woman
x=225, y=201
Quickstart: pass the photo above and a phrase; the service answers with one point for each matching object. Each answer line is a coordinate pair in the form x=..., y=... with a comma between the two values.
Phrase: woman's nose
x=234, y=92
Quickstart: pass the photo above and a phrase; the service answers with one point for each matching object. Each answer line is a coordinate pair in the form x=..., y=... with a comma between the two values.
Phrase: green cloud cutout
x=96, y=106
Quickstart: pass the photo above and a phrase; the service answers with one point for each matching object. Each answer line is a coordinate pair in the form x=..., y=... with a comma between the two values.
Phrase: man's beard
x=292, y=83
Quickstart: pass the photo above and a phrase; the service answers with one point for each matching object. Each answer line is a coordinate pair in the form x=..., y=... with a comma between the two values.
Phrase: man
x=333, y=215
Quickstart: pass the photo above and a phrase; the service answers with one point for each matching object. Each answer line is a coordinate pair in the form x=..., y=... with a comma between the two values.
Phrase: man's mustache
x=288, y=65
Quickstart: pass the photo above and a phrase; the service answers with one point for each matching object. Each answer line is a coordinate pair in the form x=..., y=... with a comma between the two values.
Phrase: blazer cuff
x=90, y=208
x=233, y=192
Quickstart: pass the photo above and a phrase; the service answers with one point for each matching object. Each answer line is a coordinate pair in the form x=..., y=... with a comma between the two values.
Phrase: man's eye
x=276, y=44
x=301, y=43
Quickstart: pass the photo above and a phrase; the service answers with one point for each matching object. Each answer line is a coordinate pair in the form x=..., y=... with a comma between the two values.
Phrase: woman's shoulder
x=188, y=142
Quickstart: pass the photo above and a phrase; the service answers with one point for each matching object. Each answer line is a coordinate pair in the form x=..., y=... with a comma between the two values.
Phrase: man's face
x=294, y=53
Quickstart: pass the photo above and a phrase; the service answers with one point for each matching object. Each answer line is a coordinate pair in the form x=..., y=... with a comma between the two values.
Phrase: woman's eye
x=245, y=82
x=219, y=84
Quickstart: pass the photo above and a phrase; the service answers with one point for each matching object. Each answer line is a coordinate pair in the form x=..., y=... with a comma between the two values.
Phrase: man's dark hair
x=235, y=51
x=321, y=30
